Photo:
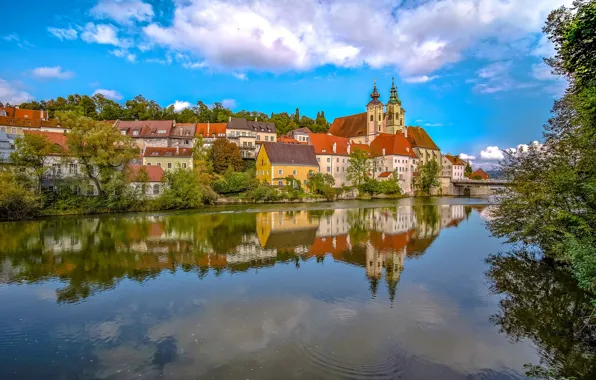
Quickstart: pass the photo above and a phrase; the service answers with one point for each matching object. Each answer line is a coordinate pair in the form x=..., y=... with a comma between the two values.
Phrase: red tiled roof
x=183, y=130
x=387, y=242
x=147, y=128
x=396, y=144
x=20, y=113
x=455, y=160
x=299, y=130
x=287, y=140
x=214, y=129
x=323, y=144
x=324, y=245
x=152, y=151
x=362, y=147
x=385, y=174
x=418, y=138
x=349, y=126
x=154, y=173
x=27, y=123
x=58, y=139
x=481, y=173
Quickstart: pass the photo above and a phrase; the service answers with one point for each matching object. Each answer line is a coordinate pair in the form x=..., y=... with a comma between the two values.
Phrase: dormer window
x=134, y=133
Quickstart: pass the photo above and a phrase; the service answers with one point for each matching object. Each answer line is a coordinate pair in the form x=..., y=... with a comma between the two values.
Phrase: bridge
x=473, y=187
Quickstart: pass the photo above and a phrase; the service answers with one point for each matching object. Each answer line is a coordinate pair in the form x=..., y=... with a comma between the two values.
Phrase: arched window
x=380, y=117
x=371, y=118
x=156, y=189
x=390, y=116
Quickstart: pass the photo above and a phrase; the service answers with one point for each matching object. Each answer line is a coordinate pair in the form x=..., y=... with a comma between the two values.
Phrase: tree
x=225, y=154
x=428, y=177
x=99, y=148
x=359, y=168
x=34, y=152
x=183, y=190
x=320, y=183
x=16, y=201
x=468, y=170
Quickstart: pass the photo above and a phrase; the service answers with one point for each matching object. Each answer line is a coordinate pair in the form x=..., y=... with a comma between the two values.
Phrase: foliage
x=16, y=200
x=225, y=154
x=476, y=177
x=468, y=170
x=359, y=168
x=428, y=177
x=201, y=156
x=318, y=182
x=263, y=194
x=183, y=190
x=34, y=152
x=100, y=149
x=234, y=182
x=388, y=187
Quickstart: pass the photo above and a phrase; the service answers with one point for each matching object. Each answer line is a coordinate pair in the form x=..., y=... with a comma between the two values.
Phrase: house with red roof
x=479, y=174
x=453, y=167
x=168, y=158
x=146, y=179
x=394, y=155
x=332, y=155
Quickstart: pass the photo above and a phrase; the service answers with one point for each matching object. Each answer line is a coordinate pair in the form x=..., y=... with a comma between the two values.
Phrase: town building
x=332, y=155
x=425, y=148
x=146, y=178
x=154, y=133
x=168, y=158
x=7, y=146
x=19, y=113
x=211, y=131
x=249, y=135
x=301, y=135
x=479, y=174
x=453, y=167
x=393, y=155
x=182, y=135
x=277, y=162
x=17, y=126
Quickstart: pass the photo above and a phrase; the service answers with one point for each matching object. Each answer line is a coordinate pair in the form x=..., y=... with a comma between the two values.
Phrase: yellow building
x=277, y=161
x=168, y=158
x=277, y=223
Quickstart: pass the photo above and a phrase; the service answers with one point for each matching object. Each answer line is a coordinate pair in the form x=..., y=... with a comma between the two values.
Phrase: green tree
x=468, y=170
x=100, y=149
x=225, y=154
x=35, y=152
x=428, y=177
x=359, y=168
x=319, y=183
x=183, y=190
x=16, y=201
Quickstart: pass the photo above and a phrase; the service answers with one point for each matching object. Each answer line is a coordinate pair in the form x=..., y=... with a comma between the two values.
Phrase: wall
x=263, y=167
x=338, y=167
x=176, y=162
x=299, y=172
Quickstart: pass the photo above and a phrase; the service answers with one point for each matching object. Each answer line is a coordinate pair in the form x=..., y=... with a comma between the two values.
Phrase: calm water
x=370, y=290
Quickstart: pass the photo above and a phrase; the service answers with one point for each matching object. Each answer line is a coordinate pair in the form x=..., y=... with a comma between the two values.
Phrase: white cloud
x=123, y=53
x=418, y=39
x=541, y=71
x=64, y=33
x=466, y=157
x=11, y=37
x=9, y=93
x=104, y=34
x=123, y=11
x=494, y=70
x=111, y=94
x=433, y=125
x=229, y=103
x=240, y=76
x=544, y=48
x=55, y=72
x=180, y=105
x=492, y=153
x=421, y=79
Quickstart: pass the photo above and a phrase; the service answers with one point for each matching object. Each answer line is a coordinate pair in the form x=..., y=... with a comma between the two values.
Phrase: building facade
x=394, y=156
x=277, y=162
x=332, y=156
x=168, y=158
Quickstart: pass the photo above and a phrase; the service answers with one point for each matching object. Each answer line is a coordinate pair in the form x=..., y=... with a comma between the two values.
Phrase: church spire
x=393, y=97
x=375, y=94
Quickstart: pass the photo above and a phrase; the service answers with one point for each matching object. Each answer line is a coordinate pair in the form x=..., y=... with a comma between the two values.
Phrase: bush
x=263, y=194
x=16, y=201
x=388, y=187
x=234, y=182
x=183, y=190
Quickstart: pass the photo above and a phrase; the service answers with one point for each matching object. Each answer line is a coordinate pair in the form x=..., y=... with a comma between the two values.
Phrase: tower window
x=371, y=118
x=379, y=117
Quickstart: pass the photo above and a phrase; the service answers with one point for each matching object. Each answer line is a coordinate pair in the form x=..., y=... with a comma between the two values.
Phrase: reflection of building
x=284, y=228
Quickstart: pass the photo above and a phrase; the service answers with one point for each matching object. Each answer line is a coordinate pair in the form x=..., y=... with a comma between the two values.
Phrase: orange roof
x=58, y=139
x=154, y=173
x=146, y=128
x=287, y=140
x=392, y=145
x=324, y=144
x=455, y=160
x=481, y=173
x=418, y=138
x=385, y=174
x=362, y=147
x=323, y=245
x=23, y=114
x=211, y=129
x=349, y=126
x=28, y=123
x=152, y=151
x=387, y=242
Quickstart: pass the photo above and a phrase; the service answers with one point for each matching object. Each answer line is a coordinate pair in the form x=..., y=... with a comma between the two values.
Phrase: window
x=134, y=133
x=159, y=164
x=266, y=138
x=13, y=130
x=169, y=165
x=123, y=132
x=155, y=189
x=280, y=183
x=184, y=165
x=56, y=169
x=328, y=169
x=319, y=159
x=337, y=159
x=371, y=118
x=328, y=159
x=304, y=182
x=280, y=171
x=148, y=163
x=73, y=169
x=380, y=117
x=3, y=129
x=294, y=172
x=337, y=169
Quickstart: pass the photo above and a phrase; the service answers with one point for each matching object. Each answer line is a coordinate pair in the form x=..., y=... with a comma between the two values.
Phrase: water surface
x=354, y=290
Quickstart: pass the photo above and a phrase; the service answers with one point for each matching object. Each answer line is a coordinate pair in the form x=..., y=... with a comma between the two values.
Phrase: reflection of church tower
x=394, y=265
x=395, y=113
x=374, y=267
x=374, y=115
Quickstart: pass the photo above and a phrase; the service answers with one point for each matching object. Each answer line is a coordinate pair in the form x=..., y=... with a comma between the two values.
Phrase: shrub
x=183, y=190
x=16, y=201
x=233, y=182
x=263, y=193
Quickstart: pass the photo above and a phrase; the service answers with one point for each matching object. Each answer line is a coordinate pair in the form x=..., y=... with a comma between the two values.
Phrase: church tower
x=395, y=113
x=374, y=115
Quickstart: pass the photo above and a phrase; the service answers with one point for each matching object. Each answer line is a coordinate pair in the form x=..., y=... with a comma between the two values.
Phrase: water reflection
x=92, y=255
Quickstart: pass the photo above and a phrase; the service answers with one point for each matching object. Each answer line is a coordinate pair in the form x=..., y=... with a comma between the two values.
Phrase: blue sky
x=470, y=71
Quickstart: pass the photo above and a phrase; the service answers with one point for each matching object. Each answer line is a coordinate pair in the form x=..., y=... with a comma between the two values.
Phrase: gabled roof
x=152, y=151
x=20, y=113
x=254, y=126
x=362, y=147
x=455, y=160
x=291, y=154
x=418, y=138
x=323, y=144
x=349, y=126
x=287, y=140
x=154, y=173
x=146, y=128
x=396, y=144
x=58, y=139
x=299, y=130
x=183, y=130
x=481, y=173
x=385, y=174
x=211, y=129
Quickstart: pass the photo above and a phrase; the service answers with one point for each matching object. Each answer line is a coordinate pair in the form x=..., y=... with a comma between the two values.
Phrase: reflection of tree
x=357, y=219
x=428, y=217
x=544, y=304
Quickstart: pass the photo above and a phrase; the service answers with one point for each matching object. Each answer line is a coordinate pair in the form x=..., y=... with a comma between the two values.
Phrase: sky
x=469, y=71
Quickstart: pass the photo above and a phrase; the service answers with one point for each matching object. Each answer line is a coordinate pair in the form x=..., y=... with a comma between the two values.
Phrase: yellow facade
x=268, y=222
x=276, y=174
x=169, y=163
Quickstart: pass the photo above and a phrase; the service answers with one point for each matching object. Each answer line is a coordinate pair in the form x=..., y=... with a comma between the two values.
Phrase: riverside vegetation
x=103, y=155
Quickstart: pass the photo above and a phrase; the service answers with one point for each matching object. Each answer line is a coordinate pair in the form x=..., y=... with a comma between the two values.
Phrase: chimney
x=255, y=118
x=334, y=147
x=209, y=127
x=383, y=152
x=230, y=118
x=406, y=132
x=177, y=149
x=349, y=148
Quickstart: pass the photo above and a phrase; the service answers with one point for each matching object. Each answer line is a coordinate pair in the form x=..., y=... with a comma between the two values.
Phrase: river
x=408, y=289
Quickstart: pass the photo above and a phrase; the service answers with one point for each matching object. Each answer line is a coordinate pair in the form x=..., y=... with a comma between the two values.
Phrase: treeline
x=98, y=107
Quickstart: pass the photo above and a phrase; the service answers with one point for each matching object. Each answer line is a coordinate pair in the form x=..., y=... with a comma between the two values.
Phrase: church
x=380, y=119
